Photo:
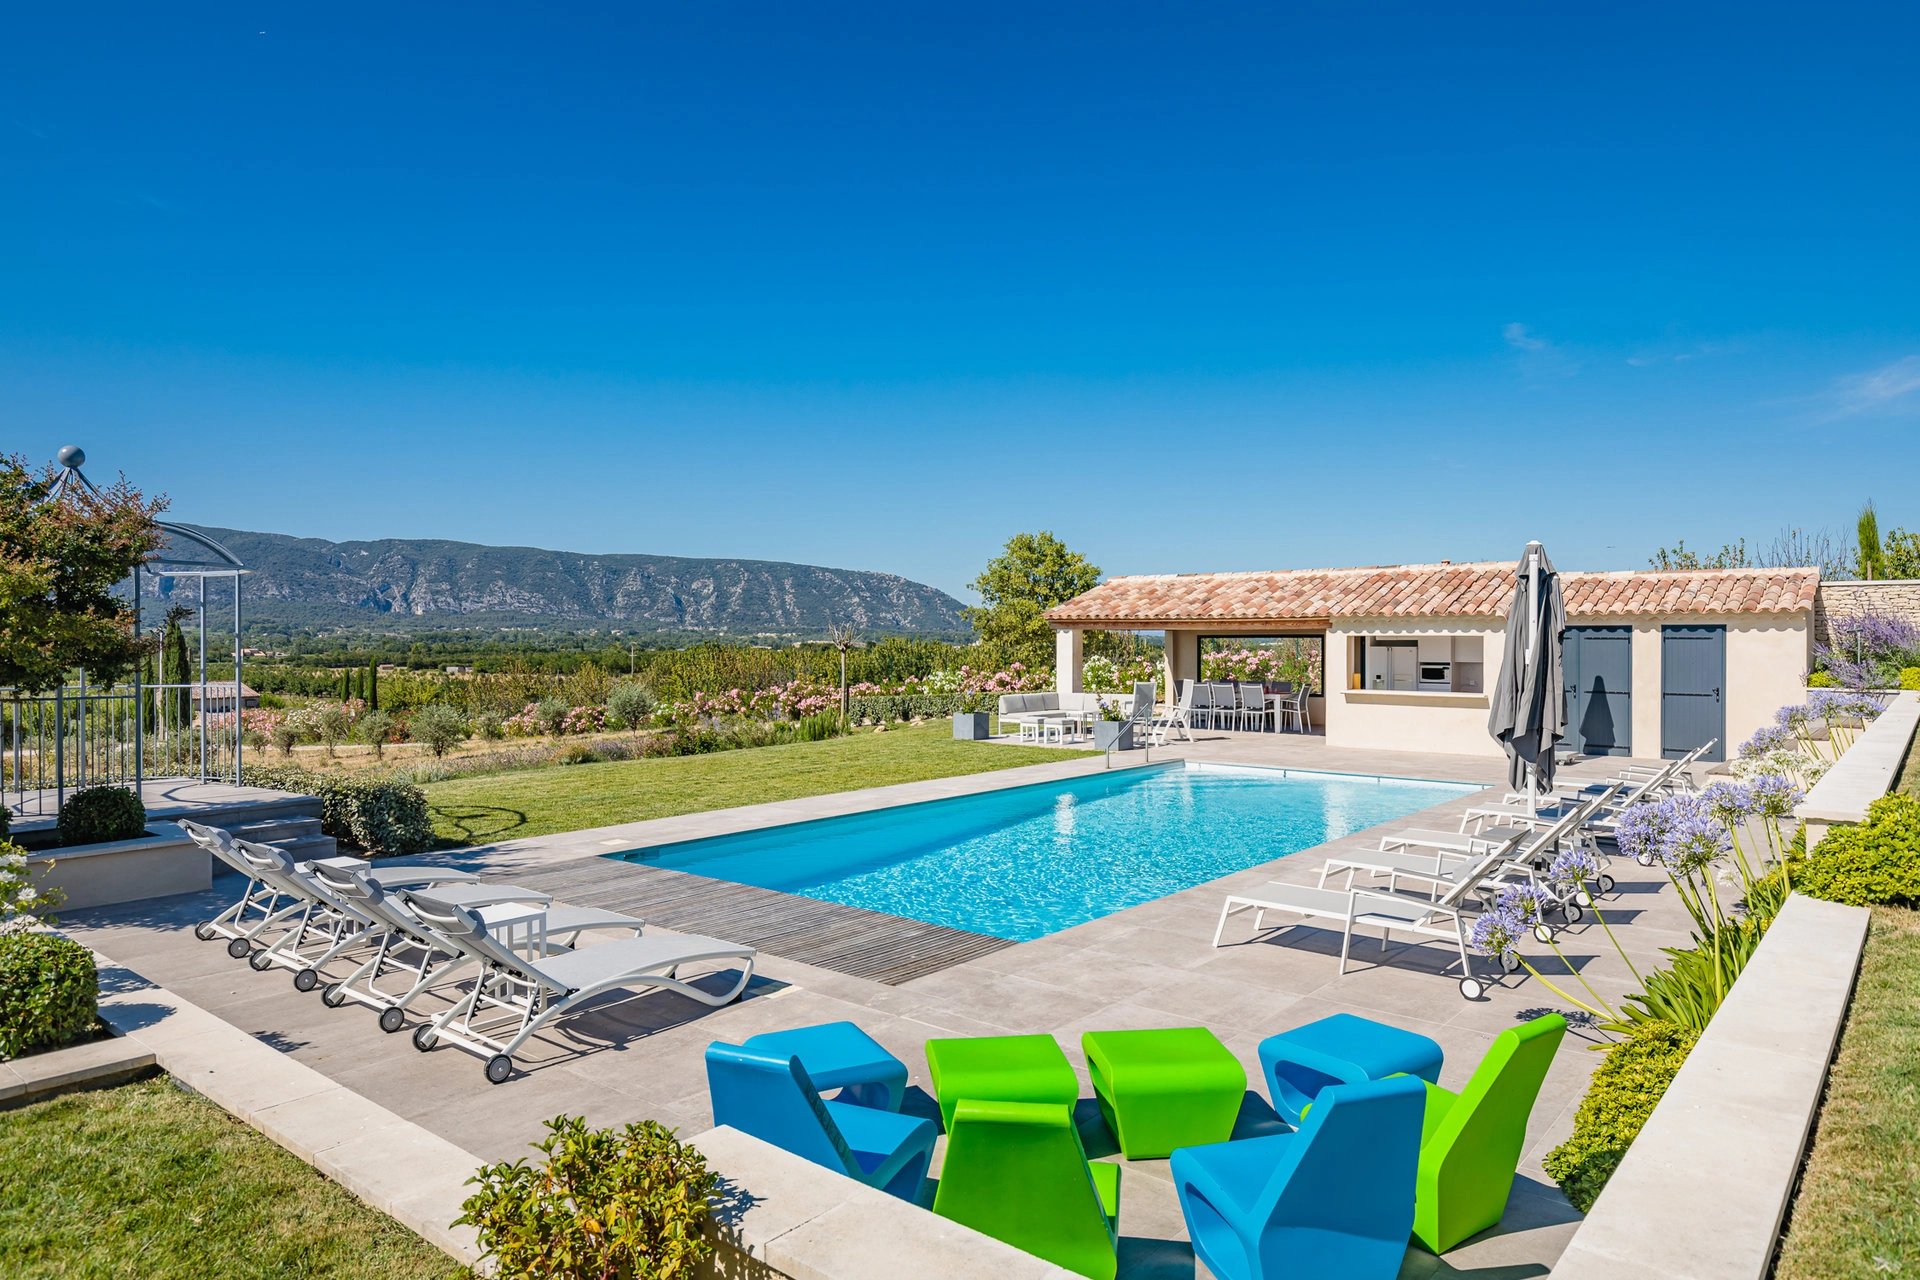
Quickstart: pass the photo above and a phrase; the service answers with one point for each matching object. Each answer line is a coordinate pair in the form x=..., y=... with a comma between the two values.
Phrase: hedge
x=1867, y=863
x=49, y=993
x=1625, y=1088
x=98, y=815
x=380, y=815
x=917, y=706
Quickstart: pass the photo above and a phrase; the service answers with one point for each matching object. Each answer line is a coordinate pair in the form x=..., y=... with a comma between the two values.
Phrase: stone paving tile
x=1151, y=965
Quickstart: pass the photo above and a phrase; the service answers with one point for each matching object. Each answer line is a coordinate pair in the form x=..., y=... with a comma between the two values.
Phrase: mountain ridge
x=410, y=583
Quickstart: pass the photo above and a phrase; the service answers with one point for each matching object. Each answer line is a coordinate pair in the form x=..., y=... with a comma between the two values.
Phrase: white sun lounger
x=257, y=904
x=1443, y=917
x=525, y=993
x=1439, y=859
x=314, y=920
x=407, y=945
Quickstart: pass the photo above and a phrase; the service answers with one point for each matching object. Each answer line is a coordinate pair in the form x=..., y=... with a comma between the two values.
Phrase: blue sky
x=876, y=286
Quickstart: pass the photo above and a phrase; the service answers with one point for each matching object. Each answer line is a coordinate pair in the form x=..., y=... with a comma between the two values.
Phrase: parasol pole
x=1533, y=656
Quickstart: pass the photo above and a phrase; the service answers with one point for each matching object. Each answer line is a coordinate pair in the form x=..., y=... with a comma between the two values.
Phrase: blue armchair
x=1333, y=1198
x=771, y=1097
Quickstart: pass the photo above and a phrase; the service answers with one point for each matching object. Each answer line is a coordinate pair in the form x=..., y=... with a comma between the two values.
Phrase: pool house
x=1656, y=662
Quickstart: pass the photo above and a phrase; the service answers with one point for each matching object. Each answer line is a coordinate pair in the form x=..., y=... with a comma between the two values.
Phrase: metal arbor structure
x=175, y=726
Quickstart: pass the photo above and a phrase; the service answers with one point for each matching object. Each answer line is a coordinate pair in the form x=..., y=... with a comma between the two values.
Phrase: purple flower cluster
x=1792, y=718
x=1773, y=796
x=1873, y=635
x=1642, y=829
x=1729, y=803
x=1575, y=864
x=1695, y=840
x=1497, y=932
x=1766, y=739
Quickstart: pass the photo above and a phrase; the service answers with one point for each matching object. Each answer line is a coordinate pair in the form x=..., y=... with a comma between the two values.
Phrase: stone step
x=307, y=848
x=275, y=830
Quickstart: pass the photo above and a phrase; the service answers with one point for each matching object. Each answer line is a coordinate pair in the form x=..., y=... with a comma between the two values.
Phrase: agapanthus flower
x=1773, y=796
x=1575, y=864
x=1728, y=802
x=1497, y=932
x=1527, y=903
x=1793, y=717
x=1694, y=841
x=1765, y=739
x=1641, y=828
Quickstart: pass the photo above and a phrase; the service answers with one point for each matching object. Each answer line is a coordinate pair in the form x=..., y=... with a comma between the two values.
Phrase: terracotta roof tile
x=1480, y=590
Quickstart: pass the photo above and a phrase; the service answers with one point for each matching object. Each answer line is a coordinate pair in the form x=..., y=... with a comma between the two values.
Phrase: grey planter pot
x=1113, y=735
x=970, y=726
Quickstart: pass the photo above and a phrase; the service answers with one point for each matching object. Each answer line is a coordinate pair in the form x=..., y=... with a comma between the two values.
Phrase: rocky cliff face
x=355, y=583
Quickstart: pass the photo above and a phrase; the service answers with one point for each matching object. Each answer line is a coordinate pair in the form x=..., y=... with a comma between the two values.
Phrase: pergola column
x=1069, y=656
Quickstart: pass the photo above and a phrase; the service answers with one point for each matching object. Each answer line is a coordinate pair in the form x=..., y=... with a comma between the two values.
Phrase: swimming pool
x=1027, y=861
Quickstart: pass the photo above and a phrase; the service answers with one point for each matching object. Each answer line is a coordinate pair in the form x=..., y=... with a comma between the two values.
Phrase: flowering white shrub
x=22, y=906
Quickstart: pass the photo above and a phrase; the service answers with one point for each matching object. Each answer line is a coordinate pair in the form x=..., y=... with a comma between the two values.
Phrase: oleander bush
x=1625, y=1089
x=97, y=815
x=603, y=1202
x=383, y=816
x=1867, y=863
x=49, y=993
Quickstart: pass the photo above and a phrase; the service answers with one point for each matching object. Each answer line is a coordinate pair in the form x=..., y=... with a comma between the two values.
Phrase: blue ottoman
x=839, y=1055
x=1341, y=1049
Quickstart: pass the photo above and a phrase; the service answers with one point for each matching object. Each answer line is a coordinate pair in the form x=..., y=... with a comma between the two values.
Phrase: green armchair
x=1470, y=1142
x=1016, y=1171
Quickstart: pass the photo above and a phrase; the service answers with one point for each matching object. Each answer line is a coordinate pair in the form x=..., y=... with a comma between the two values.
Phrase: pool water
x=1028, y=861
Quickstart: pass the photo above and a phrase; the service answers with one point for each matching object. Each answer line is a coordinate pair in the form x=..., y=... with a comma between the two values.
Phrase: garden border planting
x=1726, y=1142
x=1867, y=771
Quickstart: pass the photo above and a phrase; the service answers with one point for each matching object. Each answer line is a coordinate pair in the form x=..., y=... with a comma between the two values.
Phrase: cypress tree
x=373, y=686
x=178, y=665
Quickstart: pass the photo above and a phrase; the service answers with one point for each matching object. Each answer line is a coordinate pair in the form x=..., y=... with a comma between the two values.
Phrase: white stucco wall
x=1445, y=723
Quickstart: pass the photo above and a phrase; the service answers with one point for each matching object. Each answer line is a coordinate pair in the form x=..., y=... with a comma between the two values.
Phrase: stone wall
x=1898, y=596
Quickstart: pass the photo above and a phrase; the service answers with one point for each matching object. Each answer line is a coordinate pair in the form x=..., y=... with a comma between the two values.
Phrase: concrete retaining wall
x=1704, y=1189
x=1868, y=770
x=162, y=862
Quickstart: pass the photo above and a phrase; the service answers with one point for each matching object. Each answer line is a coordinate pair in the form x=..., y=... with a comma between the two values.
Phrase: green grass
x=1857, y=1213
x=145, y=1181
x=537, y=802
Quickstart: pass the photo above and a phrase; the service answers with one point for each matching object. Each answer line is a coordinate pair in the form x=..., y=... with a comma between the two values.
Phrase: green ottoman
x=1164, y=1089
x=999, y=1069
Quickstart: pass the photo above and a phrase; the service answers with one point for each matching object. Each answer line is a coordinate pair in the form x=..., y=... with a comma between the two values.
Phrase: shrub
x=49, y=993
x=376, y=730
x=604, y=1202
x=333, y=724
x=551, y=715
x=489, y=727
x=6, y=821
x=284, y=737
x=1625, y=1089
x=440, y=727
x=95, y=815
x=1822, y=680
x=1910, y=677
x=380, y=815
x=629, y=706
x=817, y=727
x=1876, y=861
x=23, y=904
x=576, y=753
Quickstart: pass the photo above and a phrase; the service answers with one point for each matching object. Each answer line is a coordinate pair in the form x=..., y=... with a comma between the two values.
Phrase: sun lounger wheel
x=1472, y=988
x=1644, y=859
x=261, y=961
x=305, y=980
x=1511, y=962
x=423, y=1037
x=1542, y=932
x=203, y=931
x=1606, y=883
x=391, y=1020
x=499, y=1067
x=335, y=995
x=238, y=948
x=1572, y=912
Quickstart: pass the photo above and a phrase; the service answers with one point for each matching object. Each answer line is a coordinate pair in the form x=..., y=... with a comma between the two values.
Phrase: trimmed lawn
x=148, y=1181
x=538, y=802
x=1858, y=1211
